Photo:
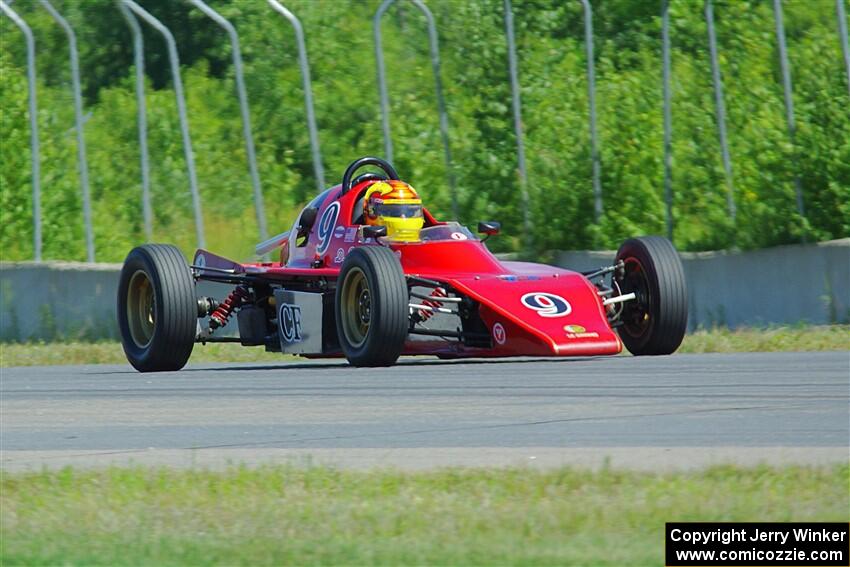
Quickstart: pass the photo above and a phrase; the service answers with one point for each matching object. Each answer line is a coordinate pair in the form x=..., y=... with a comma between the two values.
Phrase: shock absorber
x=237, y=297
x=425, y=314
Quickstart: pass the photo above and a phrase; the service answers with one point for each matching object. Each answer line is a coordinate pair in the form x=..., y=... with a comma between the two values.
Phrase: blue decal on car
x=326, y=227
x=547, y=304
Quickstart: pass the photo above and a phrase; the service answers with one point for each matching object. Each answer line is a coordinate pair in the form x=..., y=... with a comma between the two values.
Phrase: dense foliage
x=474, y=70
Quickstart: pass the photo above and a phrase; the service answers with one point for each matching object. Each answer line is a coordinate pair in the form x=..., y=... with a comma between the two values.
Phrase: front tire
x=655, y=322
x=371, y=307
x=157, y=308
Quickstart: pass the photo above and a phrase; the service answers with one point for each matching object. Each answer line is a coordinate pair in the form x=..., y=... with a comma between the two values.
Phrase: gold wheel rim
x=141, y=309
x=356, y=307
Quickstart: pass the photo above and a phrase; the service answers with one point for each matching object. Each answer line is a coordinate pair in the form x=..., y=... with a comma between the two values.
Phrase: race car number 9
x=326, y=227
x=547, y=304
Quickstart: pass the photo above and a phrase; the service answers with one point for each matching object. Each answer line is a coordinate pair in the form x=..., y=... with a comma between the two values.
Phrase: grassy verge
x=284, y=515
x=777, y=339
x=773, y=339
x=110, y=352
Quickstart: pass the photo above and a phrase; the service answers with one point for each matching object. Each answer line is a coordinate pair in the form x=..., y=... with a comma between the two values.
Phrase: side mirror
x=307, y=220
x=490, y=228
x=375, y=232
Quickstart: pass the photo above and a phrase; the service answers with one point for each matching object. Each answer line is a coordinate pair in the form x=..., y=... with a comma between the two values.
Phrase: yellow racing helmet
x=395, y=205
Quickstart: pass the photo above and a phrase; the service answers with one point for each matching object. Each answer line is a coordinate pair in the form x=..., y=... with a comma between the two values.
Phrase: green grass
x=288, y=515
x=777, y=339
x=773, y=339
x=110, y=352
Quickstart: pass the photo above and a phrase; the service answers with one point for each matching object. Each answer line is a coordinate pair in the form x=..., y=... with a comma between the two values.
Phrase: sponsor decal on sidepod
x=579, y=332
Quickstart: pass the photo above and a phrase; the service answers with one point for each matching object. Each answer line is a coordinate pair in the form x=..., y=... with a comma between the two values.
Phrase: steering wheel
x=347, y=183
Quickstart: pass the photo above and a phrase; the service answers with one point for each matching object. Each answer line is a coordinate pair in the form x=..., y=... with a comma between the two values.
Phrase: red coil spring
x=426, y=314
x=237, y=297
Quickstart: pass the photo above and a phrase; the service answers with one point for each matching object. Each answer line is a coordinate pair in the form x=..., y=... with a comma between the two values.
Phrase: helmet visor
x=398, y=211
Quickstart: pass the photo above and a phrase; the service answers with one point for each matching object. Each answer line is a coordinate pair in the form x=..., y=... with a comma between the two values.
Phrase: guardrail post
x=842, y=36
x=181, y=111
x=382, y=80
x=82, y=161
x=35, y=153
x=438, y=83
x=517, y=113
x=318, y=167
x=259, y=206
x=668, y=120
x=141, y=116
x=789, y=100
x=720, y=109
x=591, y=98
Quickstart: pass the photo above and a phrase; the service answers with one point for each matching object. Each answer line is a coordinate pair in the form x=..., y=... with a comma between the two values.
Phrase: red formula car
x=341, y=287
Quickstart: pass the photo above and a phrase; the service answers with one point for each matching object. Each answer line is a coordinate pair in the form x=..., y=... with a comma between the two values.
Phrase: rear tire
x=655, y=322
x=371, y=307
x=157, y=308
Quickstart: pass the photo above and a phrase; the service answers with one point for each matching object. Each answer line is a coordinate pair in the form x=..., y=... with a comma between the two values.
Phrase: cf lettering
x=290, y=323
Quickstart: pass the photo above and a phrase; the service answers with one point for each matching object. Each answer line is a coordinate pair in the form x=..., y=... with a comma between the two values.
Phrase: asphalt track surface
x=681, y=411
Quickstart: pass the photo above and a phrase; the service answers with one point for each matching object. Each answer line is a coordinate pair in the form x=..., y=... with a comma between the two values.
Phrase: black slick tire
x=371, y=307
x=655, y=322
x=157, y=308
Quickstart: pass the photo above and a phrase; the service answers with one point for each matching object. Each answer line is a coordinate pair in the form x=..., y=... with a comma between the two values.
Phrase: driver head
x=395, y=205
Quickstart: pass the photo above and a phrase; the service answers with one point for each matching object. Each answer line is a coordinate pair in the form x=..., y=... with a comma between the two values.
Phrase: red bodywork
x=546, y=328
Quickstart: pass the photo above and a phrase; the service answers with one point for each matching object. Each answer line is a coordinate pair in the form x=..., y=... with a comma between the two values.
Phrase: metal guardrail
x=174, y=60
x=141, y=116
x=131, y=11
x=82, y=160
x=35, y=152
x=242, y=95
x=516, y=106
x=842, y=37
x=438, y=85
x=789, y=98
x=591, y=103
x=720, y=110
x=668, y=118
x=303, y=63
